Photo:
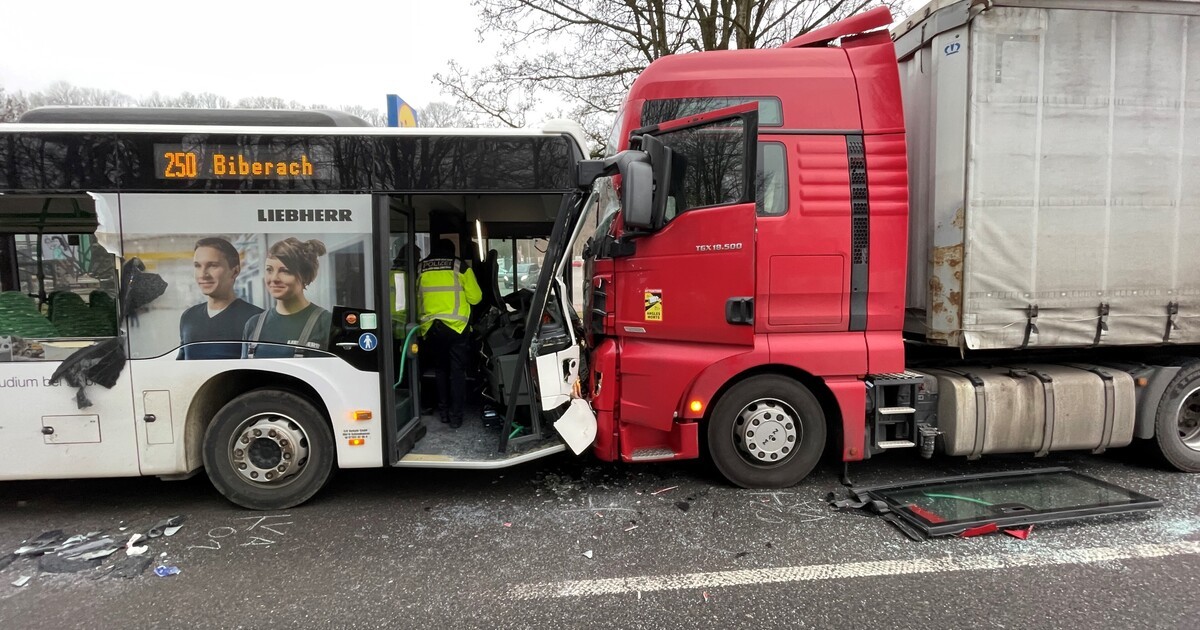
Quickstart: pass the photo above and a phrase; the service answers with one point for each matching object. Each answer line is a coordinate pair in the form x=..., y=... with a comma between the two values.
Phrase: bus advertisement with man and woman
x=236, y=290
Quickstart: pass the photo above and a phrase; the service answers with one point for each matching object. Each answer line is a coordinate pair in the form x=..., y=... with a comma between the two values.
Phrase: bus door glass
x=406, y=248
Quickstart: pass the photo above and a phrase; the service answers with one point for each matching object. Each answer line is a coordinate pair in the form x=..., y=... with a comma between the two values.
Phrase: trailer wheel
x=268, y=450
x=1177, y=424
x=766, y=432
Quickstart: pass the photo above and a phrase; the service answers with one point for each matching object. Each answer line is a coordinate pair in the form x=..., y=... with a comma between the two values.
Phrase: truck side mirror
x=637, y=195
x=661, y=159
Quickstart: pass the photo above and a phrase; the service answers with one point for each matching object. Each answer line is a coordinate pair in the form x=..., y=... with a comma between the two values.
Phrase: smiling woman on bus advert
x=290, y=267
x=216, y=264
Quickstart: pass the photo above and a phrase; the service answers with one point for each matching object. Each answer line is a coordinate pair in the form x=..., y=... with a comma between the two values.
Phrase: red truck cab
x=756, y=324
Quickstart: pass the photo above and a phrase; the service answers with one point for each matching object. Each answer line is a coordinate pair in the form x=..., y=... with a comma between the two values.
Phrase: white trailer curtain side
x=1054, y=153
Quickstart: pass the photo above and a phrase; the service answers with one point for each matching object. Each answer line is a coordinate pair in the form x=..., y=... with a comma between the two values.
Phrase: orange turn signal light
x=356, y=441
x=351, y=319
x=362, y=414
x=413, y=348
x=696, y=406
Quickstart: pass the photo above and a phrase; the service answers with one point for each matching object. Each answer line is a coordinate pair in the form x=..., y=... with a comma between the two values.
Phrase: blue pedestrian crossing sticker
x=367, y=341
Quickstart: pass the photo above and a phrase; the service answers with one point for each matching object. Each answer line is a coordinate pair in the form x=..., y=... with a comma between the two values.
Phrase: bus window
x=59, y=283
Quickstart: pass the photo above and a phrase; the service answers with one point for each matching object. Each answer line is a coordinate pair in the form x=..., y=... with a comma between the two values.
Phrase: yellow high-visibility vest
x=446, y=293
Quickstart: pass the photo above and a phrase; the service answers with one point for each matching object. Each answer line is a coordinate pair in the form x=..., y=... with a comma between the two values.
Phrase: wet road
x=671, y=546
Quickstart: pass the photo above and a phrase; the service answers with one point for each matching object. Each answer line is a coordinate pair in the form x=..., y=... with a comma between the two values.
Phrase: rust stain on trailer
x=948, y=256
x=945, y=290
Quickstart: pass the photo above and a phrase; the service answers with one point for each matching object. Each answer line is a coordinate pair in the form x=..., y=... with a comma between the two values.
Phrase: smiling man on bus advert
x=222, y=316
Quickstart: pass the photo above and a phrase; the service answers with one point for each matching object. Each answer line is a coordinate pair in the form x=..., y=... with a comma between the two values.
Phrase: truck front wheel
x=766, y=432
x=268, y=450
x=1177, y=424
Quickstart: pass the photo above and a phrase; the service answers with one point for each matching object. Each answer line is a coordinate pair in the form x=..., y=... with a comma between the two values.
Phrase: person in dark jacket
x=222, y=316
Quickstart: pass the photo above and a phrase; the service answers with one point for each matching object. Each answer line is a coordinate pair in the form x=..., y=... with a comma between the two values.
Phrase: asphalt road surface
x=565, y=543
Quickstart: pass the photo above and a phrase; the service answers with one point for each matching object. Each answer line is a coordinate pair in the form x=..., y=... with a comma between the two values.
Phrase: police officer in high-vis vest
x=446, y=289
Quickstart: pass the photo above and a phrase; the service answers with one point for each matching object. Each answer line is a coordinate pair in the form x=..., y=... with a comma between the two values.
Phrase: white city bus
x=230, y=290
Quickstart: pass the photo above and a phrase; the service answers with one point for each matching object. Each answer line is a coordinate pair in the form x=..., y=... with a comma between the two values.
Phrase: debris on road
x=164, y=571
x=975, y=505
x=631, y=528
x=705, y=597
x=587, y=554
x=160, y=528
x=662, y=490
x=683, y=506
x=130, y=567
x=59, y=564
x=134, y=550
x=59, y=553
x=46, y=541
x=1020, y=533
x=22, y=581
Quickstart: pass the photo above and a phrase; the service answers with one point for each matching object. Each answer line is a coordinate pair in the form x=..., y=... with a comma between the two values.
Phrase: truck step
x=891, y=411
x=652, y=454
x=897, y=444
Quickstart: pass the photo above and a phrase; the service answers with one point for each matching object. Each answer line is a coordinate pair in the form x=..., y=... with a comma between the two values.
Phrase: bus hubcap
x=767, y=431
x=1189, y=420
x=268, y=448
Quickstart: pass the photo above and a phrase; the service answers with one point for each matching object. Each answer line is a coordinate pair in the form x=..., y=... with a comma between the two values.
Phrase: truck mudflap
x=989, y=502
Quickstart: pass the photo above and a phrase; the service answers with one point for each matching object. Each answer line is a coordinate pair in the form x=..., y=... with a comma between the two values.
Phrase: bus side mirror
x=637, y=195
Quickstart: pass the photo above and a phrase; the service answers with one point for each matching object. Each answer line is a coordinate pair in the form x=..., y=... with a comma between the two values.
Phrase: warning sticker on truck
x=654, y=305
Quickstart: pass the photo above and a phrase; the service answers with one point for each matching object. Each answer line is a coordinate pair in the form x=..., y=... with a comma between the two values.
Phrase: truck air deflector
x=950, y=506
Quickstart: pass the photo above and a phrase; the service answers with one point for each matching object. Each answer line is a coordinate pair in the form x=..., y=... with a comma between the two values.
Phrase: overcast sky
x=329, y=52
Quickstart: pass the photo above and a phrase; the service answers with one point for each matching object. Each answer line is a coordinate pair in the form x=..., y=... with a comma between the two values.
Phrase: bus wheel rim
x=269, y=449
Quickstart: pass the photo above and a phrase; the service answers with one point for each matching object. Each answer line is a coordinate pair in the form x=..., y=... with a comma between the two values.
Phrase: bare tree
x=63, y=93
x=444, y=114
x=588, y=52
x=203, y=100
x=373, y=116
x=12, y=105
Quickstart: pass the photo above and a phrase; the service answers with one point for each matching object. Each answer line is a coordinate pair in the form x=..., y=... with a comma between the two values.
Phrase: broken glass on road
x=950, y=506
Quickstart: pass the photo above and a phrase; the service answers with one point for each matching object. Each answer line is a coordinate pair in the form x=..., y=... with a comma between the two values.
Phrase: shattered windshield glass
x=946, y=506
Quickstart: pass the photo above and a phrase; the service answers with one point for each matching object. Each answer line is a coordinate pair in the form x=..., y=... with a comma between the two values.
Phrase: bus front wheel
x=268, y=450
x=767, y=431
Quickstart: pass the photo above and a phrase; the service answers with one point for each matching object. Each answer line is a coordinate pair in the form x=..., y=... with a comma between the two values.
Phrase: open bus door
x=551, y=346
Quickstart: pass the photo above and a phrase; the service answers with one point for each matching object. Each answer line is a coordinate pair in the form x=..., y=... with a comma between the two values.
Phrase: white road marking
x=717, y=579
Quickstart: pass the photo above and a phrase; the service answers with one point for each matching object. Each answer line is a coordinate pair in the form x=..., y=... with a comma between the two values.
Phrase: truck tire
x=766, y=432
x=1177, y=423
x=268, y=450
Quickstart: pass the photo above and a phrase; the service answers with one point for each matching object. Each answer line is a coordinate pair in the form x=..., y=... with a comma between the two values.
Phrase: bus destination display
x=180, y=162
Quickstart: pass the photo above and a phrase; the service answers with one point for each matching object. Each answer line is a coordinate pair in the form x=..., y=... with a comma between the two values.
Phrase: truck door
x=693, y=279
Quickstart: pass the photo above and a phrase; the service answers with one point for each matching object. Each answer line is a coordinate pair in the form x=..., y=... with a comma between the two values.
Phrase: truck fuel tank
x=1033, y=408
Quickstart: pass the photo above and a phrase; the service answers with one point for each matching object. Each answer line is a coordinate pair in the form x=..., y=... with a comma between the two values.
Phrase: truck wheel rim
x=767, y=432
x=1188, y=417
x=269, y=449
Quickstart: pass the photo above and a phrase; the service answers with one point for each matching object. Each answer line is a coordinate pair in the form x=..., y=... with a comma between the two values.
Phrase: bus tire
x=1177, y=423
x=766, y=432
x=268, y=450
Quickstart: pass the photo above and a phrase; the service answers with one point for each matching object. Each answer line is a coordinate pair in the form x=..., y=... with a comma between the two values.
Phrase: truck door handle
x=739, y=310
x=149, y=417
x=47, y=430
